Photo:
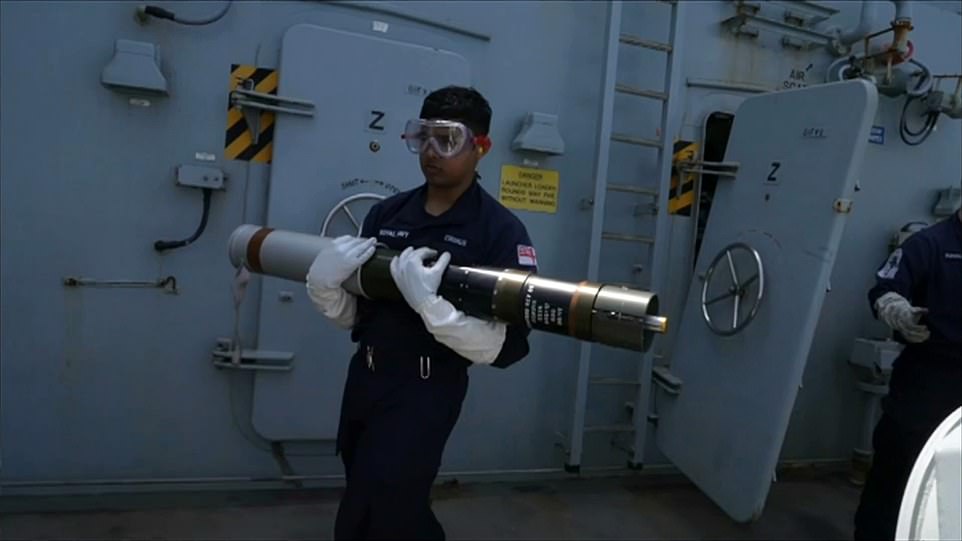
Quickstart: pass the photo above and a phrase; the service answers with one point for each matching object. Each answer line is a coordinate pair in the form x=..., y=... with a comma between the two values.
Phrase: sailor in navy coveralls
x=409, y=375
x=918, y=293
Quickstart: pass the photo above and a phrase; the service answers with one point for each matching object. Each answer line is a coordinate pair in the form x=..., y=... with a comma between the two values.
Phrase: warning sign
x=529, y=189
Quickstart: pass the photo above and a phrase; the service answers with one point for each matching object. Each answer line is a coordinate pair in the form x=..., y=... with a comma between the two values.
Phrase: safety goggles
x=446, y=137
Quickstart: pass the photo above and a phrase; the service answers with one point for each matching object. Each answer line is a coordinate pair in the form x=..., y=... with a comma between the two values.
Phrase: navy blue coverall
x=404, y=389
x=926, y=382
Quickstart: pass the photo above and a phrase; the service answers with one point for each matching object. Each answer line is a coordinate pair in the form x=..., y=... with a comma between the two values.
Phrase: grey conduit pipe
x=867, y=23
x=869, y=20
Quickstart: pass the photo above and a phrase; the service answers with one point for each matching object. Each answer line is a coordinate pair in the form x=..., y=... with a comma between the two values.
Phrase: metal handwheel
x=342, y=206
x=735, y=291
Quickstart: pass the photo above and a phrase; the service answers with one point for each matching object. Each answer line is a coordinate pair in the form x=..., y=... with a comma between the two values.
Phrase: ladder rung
x=610, y=428
x=632, y=189
x=613, y=381
x=640, y=141
x=627, y=238
x=635, y=91
x=629, y=39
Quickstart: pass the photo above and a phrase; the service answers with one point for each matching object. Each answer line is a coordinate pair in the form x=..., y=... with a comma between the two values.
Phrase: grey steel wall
x=118, y=383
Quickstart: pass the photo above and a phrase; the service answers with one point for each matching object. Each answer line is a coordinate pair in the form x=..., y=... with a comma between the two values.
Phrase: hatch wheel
x=344, y=207
x=740, y=282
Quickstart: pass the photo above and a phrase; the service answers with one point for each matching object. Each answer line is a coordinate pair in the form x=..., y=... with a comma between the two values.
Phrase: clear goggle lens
x=447, y=138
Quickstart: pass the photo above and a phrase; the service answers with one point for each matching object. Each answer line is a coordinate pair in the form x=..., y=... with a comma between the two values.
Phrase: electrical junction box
x=199, y=176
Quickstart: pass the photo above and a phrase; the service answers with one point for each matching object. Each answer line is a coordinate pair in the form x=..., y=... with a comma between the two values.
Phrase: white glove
x=418, y=283
x=901, y=316
x=337, y=305
x=338, y=260
x=474, y=339
x=330, y=268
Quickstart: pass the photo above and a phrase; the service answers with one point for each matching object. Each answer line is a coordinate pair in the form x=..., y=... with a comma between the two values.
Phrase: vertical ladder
x=657, y=244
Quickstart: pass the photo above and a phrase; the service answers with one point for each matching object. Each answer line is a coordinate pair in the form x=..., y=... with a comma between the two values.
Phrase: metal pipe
x=594, y=312
x=267, y=107
x=868, y=20
x=700, y=171
x=903, y=11
x=739, y=86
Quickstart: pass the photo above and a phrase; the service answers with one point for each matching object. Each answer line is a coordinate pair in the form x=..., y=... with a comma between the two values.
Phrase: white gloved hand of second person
x=899, y=314
x=338, y=260
x=416, y=282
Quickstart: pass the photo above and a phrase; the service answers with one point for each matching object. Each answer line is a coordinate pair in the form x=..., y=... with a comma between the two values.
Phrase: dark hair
x=459, y=103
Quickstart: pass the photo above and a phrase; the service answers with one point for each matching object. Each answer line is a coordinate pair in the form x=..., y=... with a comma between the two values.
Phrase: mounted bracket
x=226, y=356
x=702, y=167
x=805, y=12
x=748, y=22
x=662, y=377
x=251, y=103
x=948, y=201
x=135, y=69
x=539, y=133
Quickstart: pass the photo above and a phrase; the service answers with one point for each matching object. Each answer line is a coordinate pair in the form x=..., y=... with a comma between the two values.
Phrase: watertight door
x=364, y=89
x=761, y=278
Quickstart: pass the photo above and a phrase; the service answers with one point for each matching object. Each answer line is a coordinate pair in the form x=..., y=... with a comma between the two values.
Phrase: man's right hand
x=338, y=261
x=901, y=316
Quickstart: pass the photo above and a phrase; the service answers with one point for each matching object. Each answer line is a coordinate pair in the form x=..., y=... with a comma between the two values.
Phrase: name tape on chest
x=455, y=240
x=952, y=255
x=393, y=234
x=527, y=256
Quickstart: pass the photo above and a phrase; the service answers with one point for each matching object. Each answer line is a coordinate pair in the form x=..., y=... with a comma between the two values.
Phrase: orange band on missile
x=254, y=249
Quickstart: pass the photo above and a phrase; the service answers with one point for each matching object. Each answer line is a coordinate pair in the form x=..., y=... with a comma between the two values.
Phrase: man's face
x=447, y=172
x=444, y=172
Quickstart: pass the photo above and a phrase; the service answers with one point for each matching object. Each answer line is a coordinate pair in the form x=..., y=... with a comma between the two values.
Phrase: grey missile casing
x=611, y=314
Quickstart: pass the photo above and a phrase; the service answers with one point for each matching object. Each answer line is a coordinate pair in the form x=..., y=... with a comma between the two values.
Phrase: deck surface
x=658, y=507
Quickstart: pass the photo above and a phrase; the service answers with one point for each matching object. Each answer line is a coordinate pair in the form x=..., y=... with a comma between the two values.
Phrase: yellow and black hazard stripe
x=681, y=197
x=238, y=141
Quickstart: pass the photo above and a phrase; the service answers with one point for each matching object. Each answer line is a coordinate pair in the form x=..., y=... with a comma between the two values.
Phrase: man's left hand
x=418, y=283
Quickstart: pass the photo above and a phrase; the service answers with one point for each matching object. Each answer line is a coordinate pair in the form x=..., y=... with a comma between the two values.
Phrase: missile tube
x=605, y=313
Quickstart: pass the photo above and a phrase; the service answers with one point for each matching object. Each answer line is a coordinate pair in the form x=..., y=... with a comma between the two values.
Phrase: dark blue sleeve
x=513, y=249
x=371, y=222
x=905, y=272
x=369, y=228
